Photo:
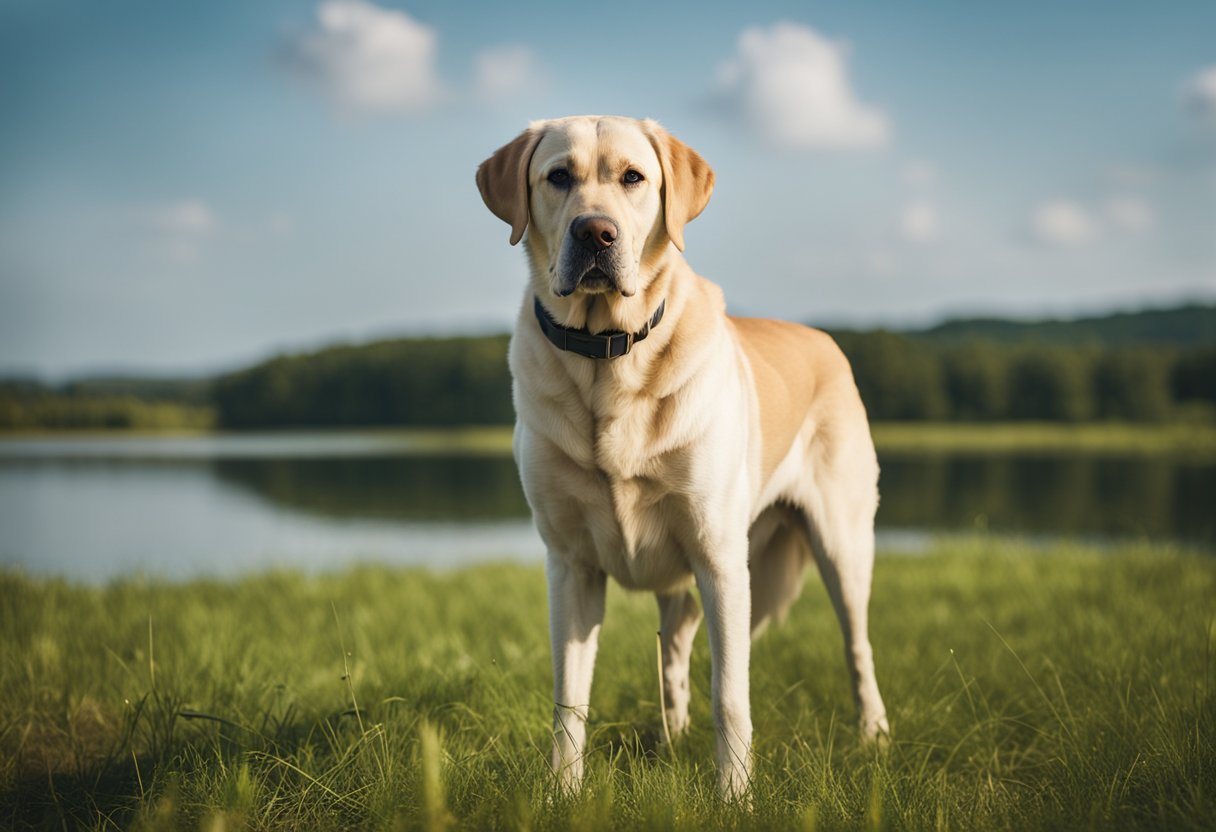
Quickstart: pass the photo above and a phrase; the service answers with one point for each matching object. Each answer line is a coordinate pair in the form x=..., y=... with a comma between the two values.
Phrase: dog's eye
x=559, y=177
x=632, y=177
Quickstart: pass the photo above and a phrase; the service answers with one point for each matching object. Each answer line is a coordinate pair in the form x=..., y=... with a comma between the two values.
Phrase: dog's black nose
x=594, y=232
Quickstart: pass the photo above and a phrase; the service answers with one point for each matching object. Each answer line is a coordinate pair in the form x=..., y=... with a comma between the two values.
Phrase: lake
x=93, y=509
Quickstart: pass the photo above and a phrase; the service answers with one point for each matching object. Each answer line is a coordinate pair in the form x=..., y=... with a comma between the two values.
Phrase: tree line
x=978, y=373
x=906, y=378
x=27, y=405
x=464, y=381
x=407, y=382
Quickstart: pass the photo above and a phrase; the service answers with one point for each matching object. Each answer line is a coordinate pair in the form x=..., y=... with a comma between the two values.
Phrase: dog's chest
x=611, y=474
x=635, y=521
x=622, y=508
x=634, y=537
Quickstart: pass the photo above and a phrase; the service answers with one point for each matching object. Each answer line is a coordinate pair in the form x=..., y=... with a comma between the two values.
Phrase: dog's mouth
x=596, y=281
x=592, y=275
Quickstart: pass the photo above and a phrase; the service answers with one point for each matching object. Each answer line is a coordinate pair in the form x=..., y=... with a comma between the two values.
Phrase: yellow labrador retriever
x=662, y=442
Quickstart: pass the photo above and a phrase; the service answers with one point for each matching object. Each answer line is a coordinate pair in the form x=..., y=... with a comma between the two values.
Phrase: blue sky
x=192, y=186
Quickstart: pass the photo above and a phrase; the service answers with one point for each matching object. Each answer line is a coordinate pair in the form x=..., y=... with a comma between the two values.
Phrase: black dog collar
x=611, y=344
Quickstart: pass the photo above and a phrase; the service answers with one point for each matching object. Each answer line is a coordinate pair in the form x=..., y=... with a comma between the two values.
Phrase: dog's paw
x=677, y=722
x=567, y=772
x=734, y=786
x=876, y=733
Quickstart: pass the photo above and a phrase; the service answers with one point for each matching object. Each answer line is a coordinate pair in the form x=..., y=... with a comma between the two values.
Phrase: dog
x=662, y=442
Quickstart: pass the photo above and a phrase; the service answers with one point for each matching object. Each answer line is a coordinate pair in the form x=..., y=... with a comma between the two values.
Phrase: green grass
x=1028, y=688
x=1123, y=438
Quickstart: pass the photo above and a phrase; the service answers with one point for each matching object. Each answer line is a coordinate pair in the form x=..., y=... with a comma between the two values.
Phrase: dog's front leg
x=726, y=596
x=576, y=610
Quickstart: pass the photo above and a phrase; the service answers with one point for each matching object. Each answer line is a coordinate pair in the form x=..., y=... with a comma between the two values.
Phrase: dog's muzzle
x=589, y=259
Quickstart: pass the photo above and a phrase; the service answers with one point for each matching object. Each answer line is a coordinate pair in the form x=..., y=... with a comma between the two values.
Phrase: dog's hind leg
x=779, y=553
x=841, y=502
x=679, y=615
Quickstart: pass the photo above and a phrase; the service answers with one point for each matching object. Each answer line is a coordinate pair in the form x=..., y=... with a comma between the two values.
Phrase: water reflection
x=1086, y=495
x=95, y=509
x=1157, y=497
x=404, y=487
x=100, y=519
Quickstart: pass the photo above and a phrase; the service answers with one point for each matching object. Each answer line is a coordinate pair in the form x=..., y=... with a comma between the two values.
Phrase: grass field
x=1063, y=688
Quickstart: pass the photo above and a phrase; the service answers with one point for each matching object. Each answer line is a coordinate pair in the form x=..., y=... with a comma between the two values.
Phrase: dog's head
x=601, y=198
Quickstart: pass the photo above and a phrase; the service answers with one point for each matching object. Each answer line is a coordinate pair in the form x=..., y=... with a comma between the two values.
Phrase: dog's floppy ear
x=503, y=181
x=688, y=180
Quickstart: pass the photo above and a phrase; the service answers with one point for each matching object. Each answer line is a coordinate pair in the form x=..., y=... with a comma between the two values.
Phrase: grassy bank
x=1183, y=438
x=1028, y=689
x=1123, y=438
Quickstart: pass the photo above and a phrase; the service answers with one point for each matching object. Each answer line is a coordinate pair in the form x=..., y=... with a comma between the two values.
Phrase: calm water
x=93, y=509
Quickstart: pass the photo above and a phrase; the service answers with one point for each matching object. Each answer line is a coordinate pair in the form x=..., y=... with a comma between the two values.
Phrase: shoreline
x=1124, y=438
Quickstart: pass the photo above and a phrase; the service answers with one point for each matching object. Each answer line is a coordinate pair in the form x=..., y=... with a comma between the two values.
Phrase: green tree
x=1132, y=384
x=977, y=380
x=1050, y=383
x=1193, y=377
x=899, y=378
x=409, y=382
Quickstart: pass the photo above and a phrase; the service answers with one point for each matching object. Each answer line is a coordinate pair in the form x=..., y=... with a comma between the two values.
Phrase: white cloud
x=1062, y=222
x=1200, y=94
x=1130, y=213
x=177, y=231
x=880, y=263
x=186, y=217
x=1134, y=176
x=920, y=223
x=920, y=174
x=281, y=224
x=792, y=85
x=371, y=59
x=504, y=71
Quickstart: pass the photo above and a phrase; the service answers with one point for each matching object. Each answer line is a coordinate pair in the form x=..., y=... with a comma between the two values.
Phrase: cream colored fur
x=722, y=452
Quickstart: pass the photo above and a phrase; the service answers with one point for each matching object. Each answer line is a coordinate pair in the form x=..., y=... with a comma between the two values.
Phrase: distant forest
x=1147, y=366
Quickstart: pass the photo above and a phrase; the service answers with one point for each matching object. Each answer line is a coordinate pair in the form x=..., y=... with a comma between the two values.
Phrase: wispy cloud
x=791, y=85
x=370, y=59
x=920, y=223
x=1200, y=95
x=1062, y=222
x=1066, y=222
x=920, y=174
x=187, y=217
x=1134, y=176
x=178, y=229
x=281, y=224
x=506, y=71
x=1129, y=214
